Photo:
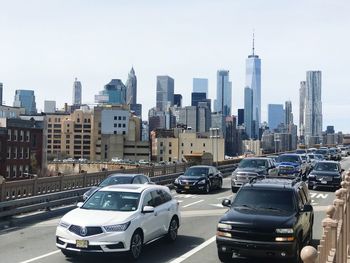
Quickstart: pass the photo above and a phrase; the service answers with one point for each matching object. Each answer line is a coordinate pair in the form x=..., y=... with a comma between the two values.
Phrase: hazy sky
x=45, y=44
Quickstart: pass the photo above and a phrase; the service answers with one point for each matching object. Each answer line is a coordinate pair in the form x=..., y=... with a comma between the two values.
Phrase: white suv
x=119, y=218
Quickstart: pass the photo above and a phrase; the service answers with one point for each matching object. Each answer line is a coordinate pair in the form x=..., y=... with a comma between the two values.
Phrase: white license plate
x=323, y=182
x=187, y=187
x=82, y=243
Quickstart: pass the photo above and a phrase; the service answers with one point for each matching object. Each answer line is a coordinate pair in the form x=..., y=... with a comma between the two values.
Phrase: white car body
x=81, y=227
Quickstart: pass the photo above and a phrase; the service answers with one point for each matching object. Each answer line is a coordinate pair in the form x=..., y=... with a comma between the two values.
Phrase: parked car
x=268, y=219
x=119, y=218
x=119, y=179
x=252, y=167
x=202, y=178
x=291, y=164
x=325, y=174
x=116, y=160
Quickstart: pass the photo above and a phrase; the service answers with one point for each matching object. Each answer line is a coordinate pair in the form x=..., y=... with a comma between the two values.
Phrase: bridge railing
x=335, y=241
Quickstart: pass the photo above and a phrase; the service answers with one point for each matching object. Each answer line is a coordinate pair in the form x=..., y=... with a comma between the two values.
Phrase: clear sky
x=45, y=44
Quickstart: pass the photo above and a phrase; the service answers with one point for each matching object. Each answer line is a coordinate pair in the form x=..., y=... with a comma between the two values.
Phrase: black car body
x=325, y=174
x=202, y=178
x=251, y=167
x=119, y=179
x=268, y=219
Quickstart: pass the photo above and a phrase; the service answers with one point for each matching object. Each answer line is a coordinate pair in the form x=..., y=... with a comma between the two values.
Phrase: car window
x=157, y=198
x=116, y=180
x=300, y=200
x=165, y=196
x=326, y=167
x=143, y=179
x=137, y=180
x=306, y=193
x=148, y=200
x=302, y=195
x=196, y=171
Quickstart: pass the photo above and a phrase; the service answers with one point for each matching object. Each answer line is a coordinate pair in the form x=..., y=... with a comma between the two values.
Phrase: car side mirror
x=80, y=204
x=226, y=202
x=307, y=208
x=148, y=209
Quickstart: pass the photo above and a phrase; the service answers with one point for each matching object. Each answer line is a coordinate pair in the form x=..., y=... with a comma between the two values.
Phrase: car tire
x=225, y=257
x=136, y=244
x=172, y=230
x=207, y=188
x=234, y=189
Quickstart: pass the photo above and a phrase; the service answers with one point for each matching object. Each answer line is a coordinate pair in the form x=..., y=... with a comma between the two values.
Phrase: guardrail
x=45, y=193
x=335, y=241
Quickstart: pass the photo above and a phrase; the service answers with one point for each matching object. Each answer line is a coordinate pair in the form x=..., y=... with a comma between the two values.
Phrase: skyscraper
x=178, y=100
x=302, y=92
x=288, y=114
x=248, y=112
x=76, y=92
x=253, y=81
x=131, y=86
x=197, y=97
x=165, y=92
x=200, y=85
x=223, y=102
x=113, y=93
x=1, y=87
x=25, y=99
x=313, y=108
x=49, y=106
x=275, y=115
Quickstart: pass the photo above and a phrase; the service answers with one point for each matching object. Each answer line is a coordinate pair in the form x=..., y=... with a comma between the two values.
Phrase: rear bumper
x=254, y=249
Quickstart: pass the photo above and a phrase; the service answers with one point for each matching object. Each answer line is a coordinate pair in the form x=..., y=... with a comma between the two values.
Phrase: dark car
x=324, y=152
x=291, y=164
x=202, y=178
x=119, y=179
x=325, y=174
x=251, y=167
x=268, y=219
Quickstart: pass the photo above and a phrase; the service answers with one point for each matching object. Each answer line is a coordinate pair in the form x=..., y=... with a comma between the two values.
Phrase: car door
x=213, y=176
x=149, y=222
x=162, y=208
x=304, y=216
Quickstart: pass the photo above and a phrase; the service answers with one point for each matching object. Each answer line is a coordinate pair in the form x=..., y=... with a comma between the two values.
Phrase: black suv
x=269, y=218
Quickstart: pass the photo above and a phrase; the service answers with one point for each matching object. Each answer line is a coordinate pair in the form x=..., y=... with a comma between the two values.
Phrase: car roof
x=292, y=154
x=123, y=175
x=273, y=183
x=257, y=158
x=327, y=161
x=134, y=188
x=201, y=166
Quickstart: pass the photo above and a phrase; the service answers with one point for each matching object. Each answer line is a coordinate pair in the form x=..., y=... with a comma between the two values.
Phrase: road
x=195, y=244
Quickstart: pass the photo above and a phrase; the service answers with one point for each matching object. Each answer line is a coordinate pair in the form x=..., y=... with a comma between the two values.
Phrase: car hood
x=324, y=173
x=259, y=218
x=89, y=217
x=250, y=170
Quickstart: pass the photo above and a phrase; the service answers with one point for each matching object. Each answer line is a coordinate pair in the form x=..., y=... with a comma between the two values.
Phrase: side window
x=143, y=179
x=301, y=200
x=157, y=197
x=137, y=180
x=306, y=194
x=166, y=196
x=148, y=200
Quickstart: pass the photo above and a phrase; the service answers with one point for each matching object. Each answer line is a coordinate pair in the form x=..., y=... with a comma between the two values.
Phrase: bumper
x=254, y=249
x=193, y=187
x=101, y=243
x=320, y=184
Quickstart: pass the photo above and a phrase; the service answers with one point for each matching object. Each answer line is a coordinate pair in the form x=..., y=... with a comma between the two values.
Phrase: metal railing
x=31, y=195
x=335, y=241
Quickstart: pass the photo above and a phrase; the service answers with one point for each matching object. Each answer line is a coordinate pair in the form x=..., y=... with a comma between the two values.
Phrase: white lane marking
x=193, y=203
x=217, y=205
x=186, y=196
x=42, y=256
x=193, y=251
x=318, y=195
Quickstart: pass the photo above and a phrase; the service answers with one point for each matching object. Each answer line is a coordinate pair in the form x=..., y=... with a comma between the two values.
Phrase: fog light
x=282, y=239
x=223, y=234
x=283, y=254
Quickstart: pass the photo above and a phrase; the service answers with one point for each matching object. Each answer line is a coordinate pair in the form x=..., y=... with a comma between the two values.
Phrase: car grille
x=324, y=178
x=90, y=230
x=253, y=234
x=244, y=176
x=286, y=168
x=186, y=182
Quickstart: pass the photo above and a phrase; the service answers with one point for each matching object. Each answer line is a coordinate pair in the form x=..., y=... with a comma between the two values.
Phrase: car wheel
x=225, y=257
x=135, y=246
x=220, y=184
x=207, y=188
x=172, y=231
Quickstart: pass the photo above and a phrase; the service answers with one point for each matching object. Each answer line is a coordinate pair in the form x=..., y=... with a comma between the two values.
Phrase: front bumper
x=255, y=249
x=190, y=187
x=324, y=184
x=101, y=243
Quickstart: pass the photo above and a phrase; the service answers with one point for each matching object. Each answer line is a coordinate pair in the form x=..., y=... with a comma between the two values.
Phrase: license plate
x=323, y=182
x=187, y=187
x=82, y=243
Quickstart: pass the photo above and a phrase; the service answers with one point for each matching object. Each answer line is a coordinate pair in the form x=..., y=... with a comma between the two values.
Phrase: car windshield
x=321, y=151
x=300, y=151
x=197, y=171
x=113, y=201
x=116, y=180
x=319, y=156
x=288, y=158
x=252, y=163
x=264, y=199
x=326, y=167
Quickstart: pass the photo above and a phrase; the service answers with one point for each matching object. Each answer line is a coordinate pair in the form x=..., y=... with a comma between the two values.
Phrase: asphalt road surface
x=195, y=243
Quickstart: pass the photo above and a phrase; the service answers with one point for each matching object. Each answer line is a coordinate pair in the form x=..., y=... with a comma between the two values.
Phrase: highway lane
x=200, y=214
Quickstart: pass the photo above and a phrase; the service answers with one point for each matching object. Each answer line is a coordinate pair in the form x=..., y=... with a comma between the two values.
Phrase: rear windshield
x=197, y=171
x=264, y=199
x=253, y=163
x=116, y=180
x=288, y=158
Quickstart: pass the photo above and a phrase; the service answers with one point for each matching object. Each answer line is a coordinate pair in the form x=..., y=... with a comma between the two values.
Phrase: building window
x=9, y=135
x=119, y=125
x=124, y=132
x=169, y=151
x=169, y=159
x=169, y=144
x=191, y=144
x=14, y=171
x=78, y=120
x=161, y=159
x=21, y=136
x=124, y=125
x=8, y=170
x=120, y=118
x=161, y=144
x=15, y=153
x=115, y=125
x=68, y=136
x=27, y=153
x=124, y=118
x=115, y=132
x=191, y=152
x=26, y=170
x=203, y=144
x=15, y=135
x=21, y=153
x=20, y=171
x=182, y=144
x=161, y=152
x=27, y=136
x=115, y=118
x=182, y=152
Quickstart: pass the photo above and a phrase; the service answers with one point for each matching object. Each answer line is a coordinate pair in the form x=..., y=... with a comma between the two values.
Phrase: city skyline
x=287, y=48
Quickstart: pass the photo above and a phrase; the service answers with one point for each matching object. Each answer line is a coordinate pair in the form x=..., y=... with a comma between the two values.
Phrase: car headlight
x=202, y=181
x=176, y=181
x=117, y=228
x=63, y=224
x=284, y=230
x=224, y=226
